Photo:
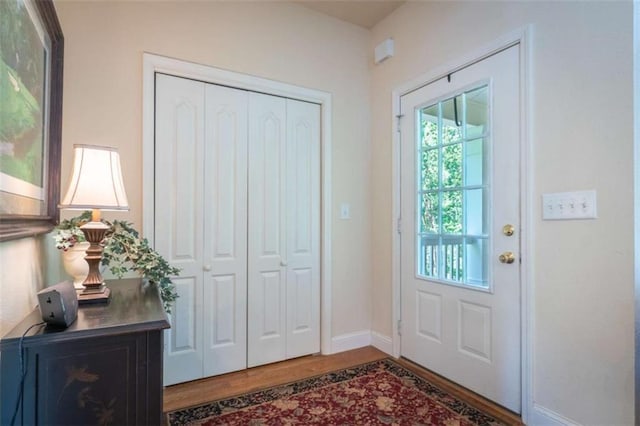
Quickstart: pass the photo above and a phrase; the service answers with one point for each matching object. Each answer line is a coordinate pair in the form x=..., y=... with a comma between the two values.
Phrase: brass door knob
x=508, y=230
x=507, y=257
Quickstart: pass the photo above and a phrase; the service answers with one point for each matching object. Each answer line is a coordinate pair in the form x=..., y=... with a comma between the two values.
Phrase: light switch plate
x=569, y=205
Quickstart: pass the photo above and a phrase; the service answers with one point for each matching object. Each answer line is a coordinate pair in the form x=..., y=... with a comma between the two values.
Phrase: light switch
x=345, y=211
x=569, y=205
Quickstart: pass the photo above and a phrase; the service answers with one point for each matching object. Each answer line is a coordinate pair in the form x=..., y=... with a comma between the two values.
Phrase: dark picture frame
x=14, y=222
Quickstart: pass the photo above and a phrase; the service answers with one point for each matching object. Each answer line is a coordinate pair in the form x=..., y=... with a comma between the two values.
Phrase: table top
x=134, y=306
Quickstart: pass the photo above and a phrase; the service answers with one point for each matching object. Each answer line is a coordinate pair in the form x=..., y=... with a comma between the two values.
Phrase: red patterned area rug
x=377, y=393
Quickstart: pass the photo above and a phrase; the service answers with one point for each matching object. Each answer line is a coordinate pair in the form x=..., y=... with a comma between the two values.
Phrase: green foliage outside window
x=449, y=174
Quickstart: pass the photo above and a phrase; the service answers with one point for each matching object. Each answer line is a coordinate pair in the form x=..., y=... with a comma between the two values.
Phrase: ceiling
x=365, y=13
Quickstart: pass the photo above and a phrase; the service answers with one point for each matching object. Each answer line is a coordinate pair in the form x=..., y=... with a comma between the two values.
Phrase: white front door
x=460, y=268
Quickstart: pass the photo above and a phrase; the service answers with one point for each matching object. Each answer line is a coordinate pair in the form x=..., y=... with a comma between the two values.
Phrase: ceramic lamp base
x=75, y=265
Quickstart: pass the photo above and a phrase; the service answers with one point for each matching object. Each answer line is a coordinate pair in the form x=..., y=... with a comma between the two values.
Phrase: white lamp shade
x=96, y=180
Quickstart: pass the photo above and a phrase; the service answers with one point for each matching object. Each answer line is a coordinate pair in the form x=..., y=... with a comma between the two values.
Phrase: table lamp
x=96, y=184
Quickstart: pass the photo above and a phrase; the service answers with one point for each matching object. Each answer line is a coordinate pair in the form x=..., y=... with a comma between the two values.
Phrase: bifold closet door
x=303, y=228
x=225, y=230
x=284, y=223
x=200, y=223
x=267, y=230
x=179, y=148
x=237, y=209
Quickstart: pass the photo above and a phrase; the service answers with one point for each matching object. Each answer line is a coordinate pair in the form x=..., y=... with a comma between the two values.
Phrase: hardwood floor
x=201, y=391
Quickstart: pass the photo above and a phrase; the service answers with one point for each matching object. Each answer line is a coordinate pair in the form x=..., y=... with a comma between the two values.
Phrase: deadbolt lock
x=507, y=257
x=508, y=230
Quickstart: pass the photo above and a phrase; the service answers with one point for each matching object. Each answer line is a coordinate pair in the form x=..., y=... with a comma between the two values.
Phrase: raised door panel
x=182, y=334
x=267, y=233
x=303, y=228
x=225, y=230
x=179, y=134
x=182, y=340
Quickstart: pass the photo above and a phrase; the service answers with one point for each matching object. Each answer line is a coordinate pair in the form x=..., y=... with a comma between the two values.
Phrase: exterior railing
x=452, y=252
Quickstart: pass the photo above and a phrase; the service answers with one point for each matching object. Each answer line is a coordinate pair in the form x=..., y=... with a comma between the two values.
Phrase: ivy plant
x=124, y=251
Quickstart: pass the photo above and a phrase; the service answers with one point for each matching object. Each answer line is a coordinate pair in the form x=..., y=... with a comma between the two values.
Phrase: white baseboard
x=382, y=342
x=360, y=339
x=346, y=342
x=541, y=416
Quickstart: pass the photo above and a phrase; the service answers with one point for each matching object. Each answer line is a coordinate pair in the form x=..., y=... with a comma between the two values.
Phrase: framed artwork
x=31, y=59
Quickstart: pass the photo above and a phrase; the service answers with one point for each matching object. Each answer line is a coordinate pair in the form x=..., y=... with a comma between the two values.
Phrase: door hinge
x=398, y=117
x=399, y=226
x=399, y=327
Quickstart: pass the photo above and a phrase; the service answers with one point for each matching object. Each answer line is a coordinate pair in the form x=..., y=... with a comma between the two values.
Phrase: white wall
x=18, y=285
x=26, y=266
x=582, y=139
x=104, y=42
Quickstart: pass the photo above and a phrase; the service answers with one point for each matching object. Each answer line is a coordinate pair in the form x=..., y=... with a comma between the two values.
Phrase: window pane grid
x=452, y=190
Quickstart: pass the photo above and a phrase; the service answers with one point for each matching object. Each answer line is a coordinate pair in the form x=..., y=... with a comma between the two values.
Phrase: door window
x=453, y=189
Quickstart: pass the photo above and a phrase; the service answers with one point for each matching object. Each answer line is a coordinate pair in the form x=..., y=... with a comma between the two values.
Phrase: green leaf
x=124, y=251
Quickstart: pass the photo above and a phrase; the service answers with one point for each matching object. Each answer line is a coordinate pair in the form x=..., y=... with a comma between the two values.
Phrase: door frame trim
x=636, y=204
x=152, y=64
x=521, y=37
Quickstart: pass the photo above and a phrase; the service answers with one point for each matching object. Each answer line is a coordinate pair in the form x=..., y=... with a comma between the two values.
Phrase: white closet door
x=267, y=232
x=237, y=208
x=178, y=217
x=303, y=228
x=225, y=230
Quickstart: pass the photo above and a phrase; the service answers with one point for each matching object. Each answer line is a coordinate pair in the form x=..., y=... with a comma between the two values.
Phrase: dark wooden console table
x=106, y=368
